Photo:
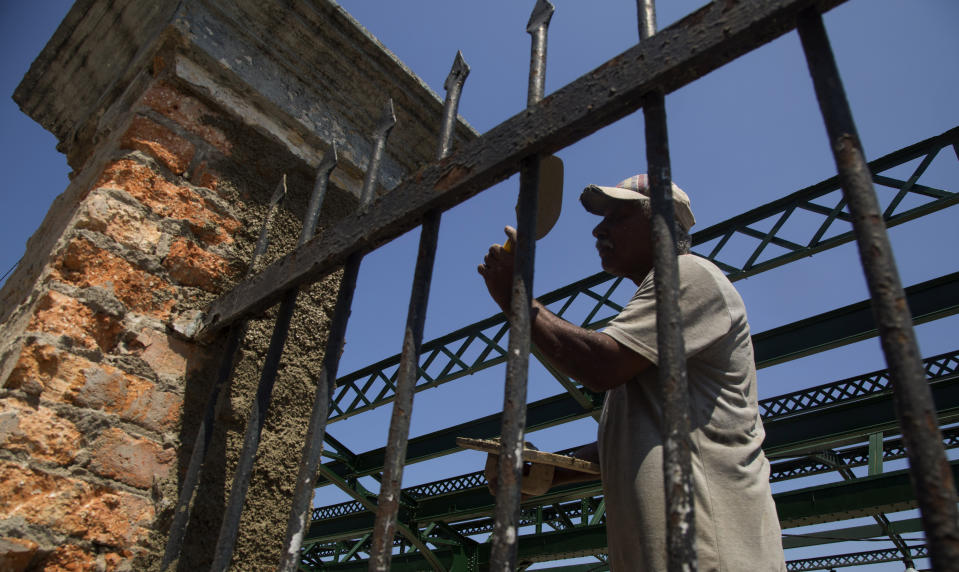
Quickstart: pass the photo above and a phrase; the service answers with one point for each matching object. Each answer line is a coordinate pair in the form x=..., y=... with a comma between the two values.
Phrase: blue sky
x=740, y=137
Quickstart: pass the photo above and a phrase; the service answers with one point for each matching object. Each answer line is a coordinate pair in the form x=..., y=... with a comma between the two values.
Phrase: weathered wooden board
x=532, y=455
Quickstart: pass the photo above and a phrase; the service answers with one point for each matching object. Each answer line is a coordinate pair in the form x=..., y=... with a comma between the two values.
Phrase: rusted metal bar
x=313, y=445
x=510, y=469
x=399, y=432
x=223, y=552
x=677, y=467
x=204, y=434
x=928, y=466
x=676, y=56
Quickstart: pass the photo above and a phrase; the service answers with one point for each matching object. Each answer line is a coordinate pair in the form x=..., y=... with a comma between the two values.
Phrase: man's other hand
x=497, y=271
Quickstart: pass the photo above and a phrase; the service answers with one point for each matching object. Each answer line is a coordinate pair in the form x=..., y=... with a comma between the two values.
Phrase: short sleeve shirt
x=736, y=523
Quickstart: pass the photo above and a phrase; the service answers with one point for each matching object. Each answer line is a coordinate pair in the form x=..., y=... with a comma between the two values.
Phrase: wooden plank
x=532, y=455
x=699, y=43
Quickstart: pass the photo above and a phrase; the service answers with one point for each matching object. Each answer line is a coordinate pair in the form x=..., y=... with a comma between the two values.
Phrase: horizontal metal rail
x=854, y=559
x=482, y=344
x=803, y=400
x=703, y=41
x=855, y=456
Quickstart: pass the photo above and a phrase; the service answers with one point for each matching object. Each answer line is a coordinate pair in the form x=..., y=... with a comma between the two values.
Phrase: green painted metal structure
x=818, y=430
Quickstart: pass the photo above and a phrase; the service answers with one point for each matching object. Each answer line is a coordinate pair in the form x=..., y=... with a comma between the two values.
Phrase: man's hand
x=497, y=271
x=537, y=478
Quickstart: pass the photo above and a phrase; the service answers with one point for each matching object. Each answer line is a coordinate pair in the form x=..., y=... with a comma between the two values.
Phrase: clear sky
x=742, y=136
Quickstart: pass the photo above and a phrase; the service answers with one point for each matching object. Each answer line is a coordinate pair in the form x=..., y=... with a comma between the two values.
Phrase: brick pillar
x=176, y=144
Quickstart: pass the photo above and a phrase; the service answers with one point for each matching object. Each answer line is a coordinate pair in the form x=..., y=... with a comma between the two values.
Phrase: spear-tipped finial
x=387, y=120
x=458, y=73
x=327, y=164
x=279, y=192
x=383, y=128
x=542, y=12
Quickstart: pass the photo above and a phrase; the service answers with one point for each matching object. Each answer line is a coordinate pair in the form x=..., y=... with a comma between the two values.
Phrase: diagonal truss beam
x=931, y=299
x=481, y=345
x=676, y=56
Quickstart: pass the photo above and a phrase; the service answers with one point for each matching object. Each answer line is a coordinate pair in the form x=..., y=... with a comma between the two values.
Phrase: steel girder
x=934, y=298
x=849, y=416
x=826, y=225
x=826, y=503
x=854, y=559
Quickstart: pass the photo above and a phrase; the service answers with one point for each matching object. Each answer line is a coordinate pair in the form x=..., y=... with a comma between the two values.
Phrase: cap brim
x=599, y=200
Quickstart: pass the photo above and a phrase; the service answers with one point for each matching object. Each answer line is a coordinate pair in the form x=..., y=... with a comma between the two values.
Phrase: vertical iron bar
x=677, y=467
x=230, y=526
x=398, y=436
x=313, y=446
x=928, y=466
x=508, y=492
x=204, y=434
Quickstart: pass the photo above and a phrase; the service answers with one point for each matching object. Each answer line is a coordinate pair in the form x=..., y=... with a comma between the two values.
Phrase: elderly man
x=736, y=524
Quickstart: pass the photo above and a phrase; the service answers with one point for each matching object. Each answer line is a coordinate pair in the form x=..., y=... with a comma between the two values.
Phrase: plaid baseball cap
x=598, y=200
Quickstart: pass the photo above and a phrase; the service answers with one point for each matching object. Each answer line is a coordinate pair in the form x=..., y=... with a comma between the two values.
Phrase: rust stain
x=452, y=177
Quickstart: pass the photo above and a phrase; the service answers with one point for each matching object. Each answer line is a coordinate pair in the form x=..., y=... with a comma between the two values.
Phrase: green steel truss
x=809, y=432
x=857, y=559
x=803, y=223
x=830, y=408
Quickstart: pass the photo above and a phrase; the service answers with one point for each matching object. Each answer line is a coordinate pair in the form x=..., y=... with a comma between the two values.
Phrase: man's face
x=623, y=241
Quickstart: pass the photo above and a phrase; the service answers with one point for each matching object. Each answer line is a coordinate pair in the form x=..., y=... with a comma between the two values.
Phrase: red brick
x=16, y=553
x=65, y=316
x=91, y=512
x=43, y=369
x=73, y=558
x=137, y=462
x=83, y=264
x=190, y=265
x=69, y=558
x=39, y=432
x=169, y=200
x=166, y=354
x=133, y=398
x=128, y=225
x=148, y=136
x=189, y=112
x=63, y=377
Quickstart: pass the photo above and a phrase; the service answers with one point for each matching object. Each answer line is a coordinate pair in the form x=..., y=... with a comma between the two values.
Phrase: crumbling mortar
x=76, y=472
x=138, y=258
x=18, y=527
x=63, y=343
x=92, y=422
x=204, y=151
x=211, y=199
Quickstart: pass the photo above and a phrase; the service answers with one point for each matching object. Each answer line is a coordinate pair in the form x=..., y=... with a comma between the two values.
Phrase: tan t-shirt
x=736, y=523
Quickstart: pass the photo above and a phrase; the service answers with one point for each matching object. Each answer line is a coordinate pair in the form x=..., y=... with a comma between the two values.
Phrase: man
x=737, y=527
